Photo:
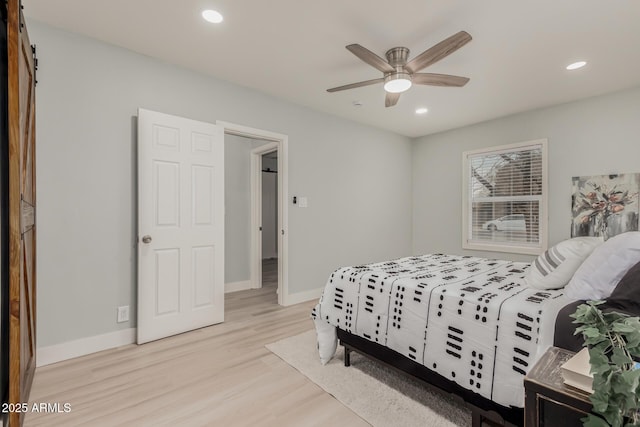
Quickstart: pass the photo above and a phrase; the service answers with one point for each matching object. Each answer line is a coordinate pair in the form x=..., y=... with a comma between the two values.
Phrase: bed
x=473, y=326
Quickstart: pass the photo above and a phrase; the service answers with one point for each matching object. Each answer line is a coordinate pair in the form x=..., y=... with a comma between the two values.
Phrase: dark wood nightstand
x=548, y=402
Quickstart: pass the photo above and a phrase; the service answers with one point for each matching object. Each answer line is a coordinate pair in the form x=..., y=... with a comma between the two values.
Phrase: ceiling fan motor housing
x=397, y=57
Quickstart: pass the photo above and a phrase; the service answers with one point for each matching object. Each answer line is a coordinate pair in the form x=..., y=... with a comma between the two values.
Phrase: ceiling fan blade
x=354, y=85
x=436, y=53
x=439, y=79
x=370, y=58
x=391, y=99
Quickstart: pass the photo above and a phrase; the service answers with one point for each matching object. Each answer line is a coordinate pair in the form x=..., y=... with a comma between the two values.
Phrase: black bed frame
x=482, y=409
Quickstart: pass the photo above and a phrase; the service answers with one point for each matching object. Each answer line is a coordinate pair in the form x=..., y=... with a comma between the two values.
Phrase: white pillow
x=555, y=267
x=599, y=274
x=327, y=337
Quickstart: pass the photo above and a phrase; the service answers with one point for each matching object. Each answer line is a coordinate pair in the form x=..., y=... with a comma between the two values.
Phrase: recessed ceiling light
x=212, y=16
x=576, y=65
x=421, y=110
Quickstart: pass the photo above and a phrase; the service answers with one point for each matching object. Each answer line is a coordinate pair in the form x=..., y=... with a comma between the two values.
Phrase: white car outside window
x=506, y=223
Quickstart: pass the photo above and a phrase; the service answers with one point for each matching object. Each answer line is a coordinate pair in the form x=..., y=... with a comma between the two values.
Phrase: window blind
x=505, y=196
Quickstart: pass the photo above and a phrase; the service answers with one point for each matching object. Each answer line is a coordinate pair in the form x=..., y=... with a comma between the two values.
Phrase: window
x=505, y=198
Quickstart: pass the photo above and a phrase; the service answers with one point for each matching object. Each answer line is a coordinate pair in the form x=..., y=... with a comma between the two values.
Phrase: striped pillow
x=555, y=267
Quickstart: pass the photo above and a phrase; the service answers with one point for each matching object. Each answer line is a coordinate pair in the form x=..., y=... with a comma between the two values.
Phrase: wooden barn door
x=22, y=202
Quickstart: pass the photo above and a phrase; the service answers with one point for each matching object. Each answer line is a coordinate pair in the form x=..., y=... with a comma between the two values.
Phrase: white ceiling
x=294, y=49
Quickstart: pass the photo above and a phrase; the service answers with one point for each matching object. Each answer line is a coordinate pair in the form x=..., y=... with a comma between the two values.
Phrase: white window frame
x=467, y=216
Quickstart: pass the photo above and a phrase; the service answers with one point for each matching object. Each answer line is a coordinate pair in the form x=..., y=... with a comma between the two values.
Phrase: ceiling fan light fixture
x=397, y=82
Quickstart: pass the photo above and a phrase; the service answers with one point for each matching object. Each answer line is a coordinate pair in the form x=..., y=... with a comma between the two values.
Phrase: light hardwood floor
x=216, y=376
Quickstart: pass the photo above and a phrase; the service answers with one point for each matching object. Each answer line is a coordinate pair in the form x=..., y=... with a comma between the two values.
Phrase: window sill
x=513, y=249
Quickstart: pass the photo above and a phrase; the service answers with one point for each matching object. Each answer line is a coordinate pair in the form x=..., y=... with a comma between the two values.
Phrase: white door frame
x=281, y=142
x=256, y=213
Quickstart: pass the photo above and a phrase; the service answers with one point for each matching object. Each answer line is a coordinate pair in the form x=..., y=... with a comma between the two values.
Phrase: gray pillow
x=626, y=295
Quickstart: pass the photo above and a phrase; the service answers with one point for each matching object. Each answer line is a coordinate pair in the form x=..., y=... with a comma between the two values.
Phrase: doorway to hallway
x=267, y=261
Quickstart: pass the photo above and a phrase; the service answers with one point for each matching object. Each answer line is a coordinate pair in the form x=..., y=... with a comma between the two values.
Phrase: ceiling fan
x=399, y=74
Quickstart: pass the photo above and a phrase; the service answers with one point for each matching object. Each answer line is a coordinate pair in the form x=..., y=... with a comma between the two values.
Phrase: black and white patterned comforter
x=472, y=320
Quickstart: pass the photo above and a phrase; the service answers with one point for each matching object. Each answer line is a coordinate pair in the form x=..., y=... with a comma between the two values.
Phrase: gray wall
x=591, y=137
x=237, y=201
x=357, y=179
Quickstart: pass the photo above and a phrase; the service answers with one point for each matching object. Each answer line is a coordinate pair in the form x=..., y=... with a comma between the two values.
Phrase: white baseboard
x=299, y=297
x=72, y=349
x=237, y=286
x=82, y=347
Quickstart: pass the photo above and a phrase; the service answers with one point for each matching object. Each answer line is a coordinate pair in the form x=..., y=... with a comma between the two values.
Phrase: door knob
x=146, y=239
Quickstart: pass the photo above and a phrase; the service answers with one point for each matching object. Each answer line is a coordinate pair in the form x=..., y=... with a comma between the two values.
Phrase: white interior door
x=180, y=225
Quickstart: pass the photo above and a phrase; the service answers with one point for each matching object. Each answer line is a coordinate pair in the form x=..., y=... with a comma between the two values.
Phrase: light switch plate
x=302, y=202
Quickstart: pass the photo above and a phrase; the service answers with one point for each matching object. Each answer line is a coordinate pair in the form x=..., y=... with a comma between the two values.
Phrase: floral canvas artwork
x=605, y=205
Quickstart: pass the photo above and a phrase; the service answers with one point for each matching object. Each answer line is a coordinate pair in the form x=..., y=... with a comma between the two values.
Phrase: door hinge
x=21, y=15
x=35, y=65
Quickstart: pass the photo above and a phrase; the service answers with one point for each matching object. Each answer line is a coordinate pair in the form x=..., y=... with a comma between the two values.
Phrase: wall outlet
x=123, y=314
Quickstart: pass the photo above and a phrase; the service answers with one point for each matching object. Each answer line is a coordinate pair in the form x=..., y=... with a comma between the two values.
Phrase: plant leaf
x=591, y=332
x=619, y=357
x=594, y=421
x=611, y=338
x=599, y=399
x=613, y=416
x=622, y=327
x=599, y=362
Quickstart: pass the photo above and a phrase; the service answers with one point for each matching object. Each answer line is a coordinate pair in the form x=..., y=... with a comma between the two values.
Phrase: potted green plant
x=613, y=340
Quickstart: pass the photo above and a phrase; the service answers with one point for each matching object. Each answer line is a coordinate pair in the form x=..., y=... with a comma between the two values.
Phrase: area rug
x=379, y=395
